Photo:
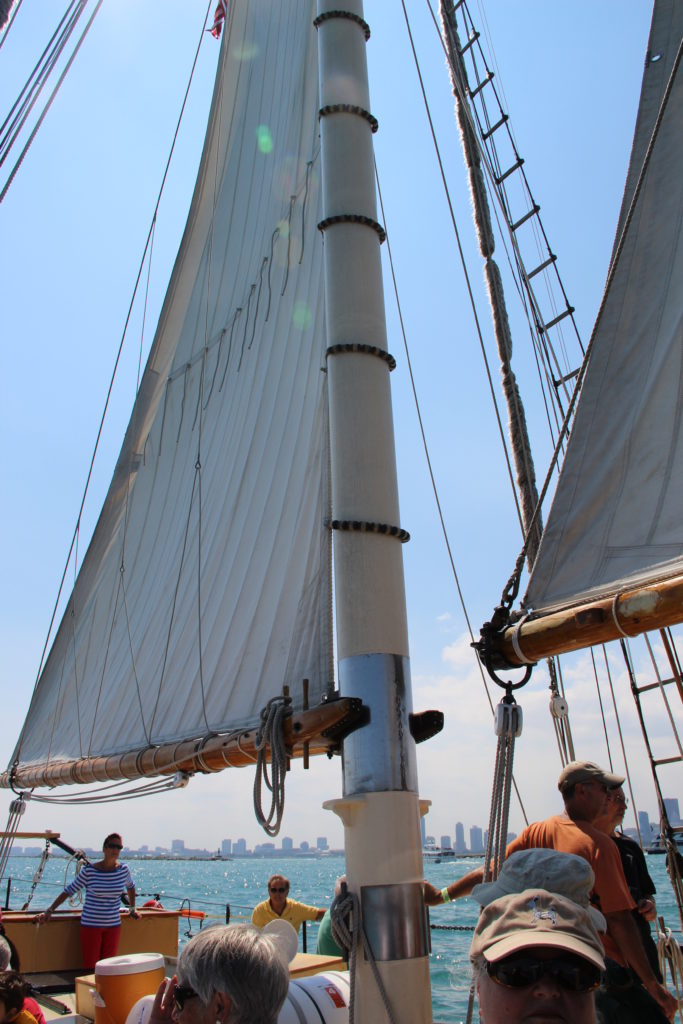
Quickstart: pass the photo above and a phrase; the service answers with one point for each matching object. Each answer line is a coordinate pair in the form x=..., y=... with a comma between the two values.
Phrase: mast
x=380, y=807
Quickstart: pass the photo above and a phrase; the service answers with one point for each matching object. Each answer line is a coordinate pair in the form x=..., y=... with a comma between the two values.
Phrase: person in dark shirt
x=640, y=885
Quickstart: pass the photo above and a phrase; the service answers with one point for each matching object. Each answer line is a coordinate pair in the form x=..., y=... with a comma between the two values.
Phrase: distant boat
x=657, y=844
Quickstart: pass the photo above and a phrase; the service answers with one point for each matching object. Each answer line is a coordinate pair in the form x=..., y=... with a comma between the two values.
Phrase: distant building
x=240, y=847
x=177, y=846
x=445, y=843
x=460, y=838
x=267, y=848
x=304, y=846
x=510, y=836
x=476, y=840
x=321, y=843
x=645, y=826
x=287, y=844
x=226, y=847
x=672, y=812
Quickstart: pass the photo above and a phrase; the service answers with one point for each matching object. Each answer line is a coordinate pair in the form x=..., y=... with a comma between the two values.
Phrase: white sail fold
x=616, y=520
x=206, y=586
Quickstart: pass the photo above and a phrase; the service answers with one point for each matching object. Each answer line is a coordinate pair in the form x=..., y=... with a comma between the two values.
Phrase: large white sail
x=616, y=517
x=206, y=586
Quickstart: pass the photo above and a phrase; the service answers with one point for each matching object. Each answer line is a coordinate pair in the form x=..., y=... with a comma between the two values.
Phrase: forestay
x=206, y=585
x=616, y=517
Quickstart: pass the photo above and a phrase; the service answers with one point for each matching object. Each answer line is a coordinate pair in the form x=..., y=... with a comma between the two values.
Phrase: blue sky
x=74, y=224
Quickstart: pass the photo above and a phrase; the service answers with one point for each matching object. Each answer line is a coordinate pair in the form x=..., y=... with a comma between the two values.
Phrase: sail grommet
x=360, y=526
x=349, y=15
x=370, y=350
x=350, y=108
x=354, y=218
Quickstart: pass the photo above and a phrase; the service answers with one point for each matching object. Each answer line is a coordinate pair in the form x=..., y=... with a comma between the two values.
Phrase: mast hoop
x=350, y=108
x=615, y=619
x=359, y=346
x=349, y=15
x=359, y=526
x=514, y=638
x=354, y=218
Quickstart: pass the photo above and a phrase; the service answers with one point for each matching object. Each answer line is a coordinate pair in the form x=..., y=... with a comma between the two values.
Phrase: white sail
x=616, y=517
x=221, y=483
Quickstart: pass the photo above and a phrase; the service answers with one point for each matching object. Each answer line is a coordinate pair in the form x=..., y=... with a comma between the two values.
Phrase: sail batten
x=206, y=586
x=615, y=521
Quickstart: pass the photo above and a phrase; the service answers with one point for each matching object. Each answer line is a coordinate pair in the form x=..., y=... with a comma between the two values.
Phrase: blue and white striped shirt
x=102, y=894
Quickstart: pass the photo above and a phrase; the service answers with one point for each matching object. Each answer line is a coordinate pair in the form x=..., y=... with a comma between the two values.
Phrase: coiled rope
x=271, y=734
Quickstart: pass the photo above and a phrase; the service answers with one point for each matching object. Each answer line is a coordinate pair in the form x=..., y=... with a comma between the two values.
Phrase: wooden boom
x=628, y=614
x=320, y=729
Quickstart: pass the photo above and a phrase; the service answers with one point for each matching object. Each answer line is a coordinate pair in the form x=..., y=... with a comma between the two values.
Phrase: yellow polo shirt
x=294, y=912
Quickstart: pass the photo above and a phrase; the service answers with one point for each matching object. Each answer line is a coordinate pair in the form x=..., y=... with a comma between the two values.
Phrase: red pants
x=97, y=944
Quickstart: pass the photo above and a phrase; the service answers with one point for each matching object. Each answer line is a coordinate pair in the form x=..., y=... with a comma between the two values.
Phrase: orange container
x=121, y=980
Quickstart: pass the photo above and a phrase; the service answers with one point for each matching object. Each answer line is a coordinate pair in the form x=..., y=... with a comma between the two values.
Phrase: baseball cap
x=586, y=771
x=562, y=873
x=535, y=918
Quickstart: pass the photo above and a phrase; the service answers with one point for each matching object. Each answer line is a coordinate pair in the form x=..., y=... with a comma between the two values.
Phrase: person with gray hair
x=226, y=975
x=5, y=953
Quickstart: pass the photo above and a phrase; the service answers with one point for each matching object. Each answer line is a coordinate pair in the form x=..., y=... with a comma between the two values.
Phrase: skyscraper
x=445, y=842
x=672, y=812
x=476, y=840
x=460, y=838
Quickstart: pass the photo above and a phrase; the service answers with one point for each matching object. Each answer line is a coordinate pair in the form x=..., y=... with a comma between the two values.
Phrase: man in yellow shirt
x=278, y=907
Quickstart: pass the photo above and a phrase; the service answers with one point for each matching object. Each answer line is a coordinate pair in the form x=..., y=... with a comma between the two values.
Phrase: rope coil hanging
x=348, y=932
x=271, y=734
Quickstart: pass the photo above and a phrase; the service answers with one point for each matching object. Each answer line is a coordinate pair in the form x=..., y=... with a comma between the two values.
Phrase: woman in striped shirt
x=104, y=882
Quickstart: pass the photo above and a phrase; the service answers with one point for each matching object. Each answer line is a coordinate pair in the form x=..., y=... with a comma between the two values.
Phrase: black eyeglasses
x=113, y=846
x=181, y=993
x=280, y=889
x=571, y=973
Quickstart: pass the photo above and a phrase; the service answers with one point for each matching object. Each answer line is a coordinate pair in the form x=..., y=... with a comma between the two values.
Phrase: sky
x=74, y=223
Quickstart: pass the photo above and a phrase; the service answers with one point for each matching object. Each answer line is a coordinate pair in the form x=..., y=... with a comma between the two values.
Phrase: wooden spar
x=630, y=613
x=234, y=750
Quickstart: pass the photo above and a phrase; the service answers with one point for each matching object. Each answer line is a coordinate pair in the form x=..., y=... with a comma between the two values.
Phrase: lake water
x=211, y=885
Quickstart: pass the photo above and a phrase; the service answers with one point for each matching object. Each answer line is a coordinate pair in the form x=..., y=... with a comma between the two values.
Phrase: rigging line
x=113, y=376
x=41, y=73
x=499, y=192
x=132, y=657
x=10, y=22
x=464, y=269
x=646, y=637
x=53, y=94
x=616, y=714
x=602, y=709
x=430, y=470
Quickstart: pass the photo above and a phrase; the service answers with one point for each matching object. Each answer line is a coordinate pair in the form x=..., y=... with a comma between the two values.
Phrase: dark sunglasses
x=571, y=973
x=113, y=846
x=279, y=889
x=181, y=993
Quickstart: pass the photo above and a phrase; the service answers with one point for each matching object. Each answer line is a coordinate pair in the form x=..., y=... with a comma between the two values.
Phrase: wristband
x=445, y=898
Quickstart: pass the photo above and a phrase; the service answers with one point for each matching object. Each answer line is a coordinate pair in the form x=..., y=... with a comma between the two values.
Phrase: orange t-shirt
x=610, y=893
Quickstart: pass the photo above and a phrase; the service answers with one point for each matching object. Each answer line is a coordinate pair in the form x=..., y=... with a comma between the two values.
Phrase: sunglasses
x=181, y=993
x=113, y=846
x=571, y=973
x=279, y=889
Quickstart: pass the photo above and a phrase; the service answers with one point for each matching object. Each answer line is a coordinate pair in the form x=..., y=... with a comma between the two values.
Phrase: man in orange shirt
x=584, y=787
